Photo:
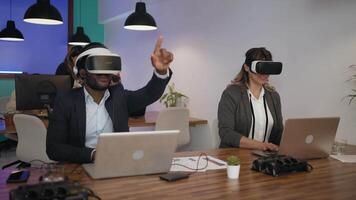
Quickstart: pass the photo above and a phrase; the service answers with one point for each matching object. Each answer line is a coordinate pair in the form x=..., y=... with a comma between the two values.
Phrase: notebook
x=307, y=138
x=133, y=153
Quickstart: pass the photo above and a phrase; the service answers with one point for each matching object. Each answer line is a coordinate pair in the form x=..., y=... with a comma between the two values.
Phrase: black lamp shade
x=10, y=33
x=43, y=12
x=79, y=38
x=140, y=20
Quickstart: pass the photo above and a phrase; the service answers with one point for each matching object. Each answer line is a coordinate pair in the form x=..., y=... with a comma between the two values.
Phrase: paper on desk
x=191, y=162
x=345, y=158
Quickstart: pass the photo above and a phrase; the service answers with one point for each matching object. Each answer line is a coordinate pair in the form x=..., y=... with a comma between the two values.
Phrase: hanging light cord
x=80, y=12
x=11, y=9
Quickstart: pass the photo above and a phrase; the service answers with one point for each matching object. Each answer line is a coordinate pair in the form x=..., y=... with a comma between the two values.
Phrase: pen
x=213, y=161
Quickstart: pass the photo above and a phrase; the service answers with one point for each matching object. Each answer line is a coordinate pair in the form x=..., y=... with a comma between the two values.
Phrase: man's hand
x=161, y=58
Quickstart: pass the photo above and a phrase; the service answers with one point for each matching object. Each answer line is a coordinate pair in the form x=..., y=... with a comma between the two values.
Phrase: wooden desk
x=330, y=179
x=148, y=120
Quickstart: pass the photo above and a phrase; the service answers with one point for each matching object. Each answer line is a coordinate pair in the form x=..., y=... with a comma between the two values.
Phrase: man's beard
x=92, y=84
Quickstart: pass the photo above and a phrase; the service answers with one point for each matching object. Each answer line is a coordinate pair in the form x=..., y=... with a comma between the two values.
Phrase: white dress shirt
x=97, y=119
x=260, y=117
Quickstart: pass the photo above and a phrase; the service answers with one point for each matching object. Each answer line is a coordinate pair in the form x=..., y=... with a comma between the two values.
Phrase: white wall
x=315, y=40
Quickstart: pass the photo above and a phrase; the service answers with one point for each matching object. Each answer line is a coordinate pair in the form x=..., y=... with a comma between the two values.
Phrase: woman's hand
x=268, y=147
x=254, y=144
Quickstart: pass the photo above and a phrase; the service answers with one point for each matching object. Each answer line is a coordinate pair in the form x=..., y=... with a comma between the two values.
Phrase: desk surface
x=330, y=179
x=148, y=120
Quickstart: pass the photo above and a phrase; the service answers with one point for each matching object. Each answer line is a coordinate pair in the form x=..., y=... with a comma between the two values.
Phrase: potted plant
x=233, y=167
x=173, y=98
x=352, y=79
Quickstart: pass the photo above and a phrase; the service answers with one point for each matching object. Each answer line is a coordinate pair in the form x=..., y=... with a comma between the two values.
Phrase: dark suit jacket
x=235, y=116
x=67, y=123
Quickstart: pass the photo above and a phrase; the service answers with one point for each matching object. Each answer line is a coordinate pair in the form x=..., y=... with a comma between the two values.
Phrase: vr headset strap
x=254, y=119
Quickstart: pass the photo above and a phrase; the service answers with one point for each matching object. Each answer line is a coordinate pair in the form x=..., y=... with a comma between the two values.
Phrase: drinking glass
x=339, y=147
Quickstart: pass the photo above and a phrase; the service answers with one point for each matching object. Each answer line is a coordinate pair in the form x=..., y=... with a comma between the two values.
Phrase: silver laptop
x=133, y=153
x=308, y=138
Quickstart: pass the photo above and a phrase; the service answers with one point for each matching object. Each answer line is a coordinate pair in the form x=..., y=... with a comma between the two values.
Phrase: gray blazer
x=235, y=117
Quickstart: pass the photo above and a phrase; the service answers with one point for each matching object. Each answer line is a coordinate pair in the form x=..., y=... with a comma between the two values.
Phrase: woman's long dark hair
x=73, y=52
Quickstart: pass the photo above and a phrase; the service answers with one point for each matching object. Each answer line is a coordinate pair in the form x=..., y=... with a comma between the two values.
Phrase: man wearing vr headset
x=249, y=111
x=81, y=115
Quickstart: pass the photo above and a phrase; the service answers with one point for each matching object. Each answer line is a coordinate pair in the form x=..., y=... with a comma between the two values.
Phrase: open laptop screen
x=306, y=138
x=133, y=153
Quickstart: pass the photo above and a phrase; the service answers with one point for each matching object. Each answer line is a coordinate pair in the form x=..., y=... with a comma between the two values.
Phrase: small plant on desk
x=233, y=167
x=352, y=79
x=173, y=98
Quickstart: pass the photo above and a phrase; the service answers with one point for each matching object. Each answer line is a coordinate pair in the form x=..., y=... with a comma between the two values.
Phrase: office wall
x=6, y=87
x=44, y=46
x=86, y=15
x=315, y=40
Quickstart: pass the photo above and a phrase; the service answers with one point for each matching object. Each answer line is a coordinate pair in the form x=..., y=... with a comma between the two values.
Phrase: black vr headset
x=103, y=64
x=99, y=61
x=266, y=67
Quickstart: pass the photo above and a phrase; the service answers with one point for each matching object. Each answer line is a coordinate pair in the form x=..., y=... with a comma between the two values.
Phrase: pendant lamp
x=10, y=33
x=79, y=38
x=140, y=20
x=43, y=13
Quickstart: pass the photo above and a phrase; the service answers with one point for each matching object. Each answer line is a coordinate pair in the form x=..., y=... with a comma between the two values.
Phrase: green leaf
x=233, y=160
x=170, y=98
x=163, y=97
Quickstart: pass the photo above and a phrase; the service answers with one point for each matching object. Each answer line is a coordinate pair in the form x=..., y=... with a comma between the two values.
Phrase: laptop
x=133, y=153
x=306, y=138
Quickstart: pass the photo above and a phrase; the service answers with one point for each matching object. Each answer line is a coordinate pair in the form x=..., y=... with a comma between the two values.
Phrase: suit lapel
x=271, y=105
x=81, y=116
x=246, y=104
x=109, y=105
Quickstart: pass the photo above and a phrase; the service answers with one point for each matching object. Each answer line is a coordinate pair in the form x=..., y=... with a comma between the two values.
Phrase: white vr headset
x=266, y=67
x=99, y=61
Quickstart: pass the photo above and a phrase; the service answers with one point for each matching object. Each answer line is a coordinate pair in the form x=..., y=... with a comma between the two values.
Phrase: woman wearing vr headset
x=81, y=115
x=249, y=111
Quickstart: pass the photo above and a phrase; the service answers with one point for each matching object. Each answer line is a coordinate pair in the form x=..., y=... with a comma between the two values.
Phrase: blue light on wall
x=45, y=46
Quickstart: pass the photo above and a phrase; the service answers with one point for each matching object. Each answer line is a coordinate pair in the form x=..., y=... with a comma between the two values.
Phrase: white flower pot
x=182, y=102
x=233, y=172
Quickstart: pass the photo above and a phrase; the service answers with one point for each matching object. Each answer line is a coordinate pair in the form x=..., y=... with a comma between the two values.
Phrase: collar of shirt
x=260, y=98
x=89, y=98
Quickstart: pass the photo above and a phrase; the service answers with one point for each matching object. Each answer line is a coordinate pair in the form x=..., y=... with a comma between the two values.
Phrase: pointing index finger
x=158, y=44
